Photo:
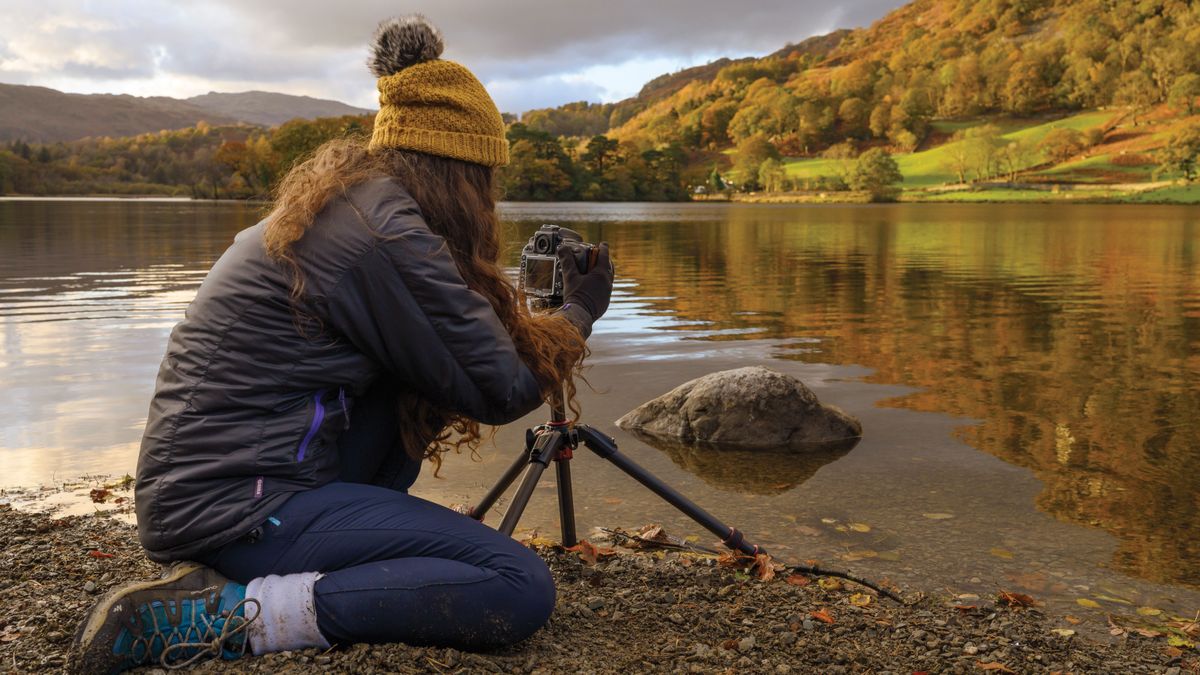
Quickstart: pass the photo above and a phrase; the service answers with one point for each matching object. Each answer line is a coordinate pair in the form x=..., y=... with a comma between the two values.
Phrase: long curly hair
x=457, y=200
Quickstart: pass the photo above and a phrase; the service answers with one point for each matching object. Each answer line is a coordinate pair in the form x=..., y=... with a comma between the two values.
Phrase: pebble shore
x=635, y=611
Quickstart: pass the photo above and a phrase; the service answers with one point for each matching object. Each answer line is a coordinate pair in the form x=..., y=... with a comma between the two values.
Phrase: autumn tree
x=771, y=175
x=877, y=174
x=1184, y=92
x=1061, y=144
x=750, y=155
x=1182, y=151
x=983, y=144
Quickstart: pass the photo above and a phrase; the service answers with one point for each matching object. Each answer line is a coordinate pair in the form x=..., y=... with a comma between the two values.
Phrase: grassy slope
x=929, y=167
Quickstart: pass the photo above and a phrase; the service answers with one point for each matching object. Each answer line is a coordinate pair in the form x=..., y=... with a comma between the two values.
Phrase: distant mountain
x=270, y=109
x=43, y=115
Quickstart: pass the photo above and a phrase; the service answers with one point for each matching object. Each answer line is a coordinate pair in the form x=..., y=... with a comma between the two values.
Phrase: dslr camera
x=540, y=276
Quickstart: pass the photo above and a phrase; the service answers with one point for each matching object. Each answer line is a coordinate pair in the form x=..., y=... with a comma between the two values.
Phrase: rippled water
x=1027, y=376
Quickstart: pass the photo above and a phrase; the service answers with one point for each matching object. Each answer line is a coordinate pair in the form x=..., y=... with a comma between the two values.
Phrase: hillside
x=43, y=115
x=270, y=108
x=928, y=69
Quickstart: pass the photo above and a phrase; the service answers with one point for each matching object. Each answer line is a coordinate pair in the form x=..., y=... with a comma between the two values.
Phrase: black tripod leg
x=606, y=447
x=566, y=502
x=546, y=446
x=478, y=511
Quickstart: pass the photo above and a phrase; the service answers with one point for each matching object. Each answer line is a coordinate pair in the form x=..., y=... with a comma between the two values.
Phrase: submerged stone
x=746, y=408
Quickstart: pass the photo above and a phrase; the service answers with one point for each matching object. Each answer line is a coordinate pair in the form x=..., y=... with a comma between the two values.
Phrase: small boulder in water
x=753, y=408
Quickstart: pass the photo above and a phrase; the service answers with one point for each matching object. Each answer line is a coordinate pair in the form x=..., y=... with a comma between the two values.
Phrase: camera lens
x=541, y=244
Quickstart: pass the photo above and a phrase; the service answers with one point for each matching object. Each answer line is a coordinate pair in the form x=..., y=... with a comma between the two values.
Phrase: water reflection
x=758, y=472
x=1073, y=334
x=88, y=293
x=1069, y=336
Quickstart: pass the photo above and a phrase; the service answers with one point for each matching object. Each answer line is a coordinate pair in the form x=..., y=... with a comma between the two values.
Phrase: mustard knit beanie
x=430, y=105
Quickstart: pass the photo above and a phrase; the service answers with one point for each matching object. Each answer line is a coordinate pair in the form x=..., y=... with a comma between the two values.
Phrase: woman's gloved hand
x=585, y=294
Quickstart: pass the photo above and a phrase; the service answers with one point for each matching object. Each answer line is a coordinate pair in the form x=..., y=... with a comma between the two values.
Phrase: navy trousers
x=396, y=568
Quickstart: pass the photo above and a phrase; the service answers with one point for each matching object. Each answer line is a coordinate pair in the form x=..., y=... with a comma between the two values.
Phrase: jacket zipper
x=318, y=417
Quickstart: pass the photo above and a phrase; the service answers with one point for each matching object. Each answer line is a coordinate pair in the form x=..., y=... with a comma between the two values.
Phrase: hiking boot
x=191, y=614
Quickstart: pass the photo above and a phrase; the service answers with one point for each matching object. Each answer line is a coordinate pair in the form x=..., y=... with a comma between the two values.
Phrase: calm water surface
x=1028, y=377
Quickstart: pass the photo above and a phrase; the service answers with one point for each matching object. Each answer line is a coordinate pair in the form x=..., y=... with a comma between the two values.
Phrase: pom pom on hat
x=428, y=104
x=402, y=42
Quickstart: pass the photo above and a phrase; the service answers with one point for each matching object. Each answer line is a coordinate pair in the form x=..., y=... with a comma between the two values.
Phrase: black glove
x=585, y=294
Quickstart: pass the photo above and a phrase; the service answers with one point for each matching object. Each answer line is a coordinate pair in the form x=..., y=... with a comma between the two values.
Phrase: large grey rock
x=752, y=407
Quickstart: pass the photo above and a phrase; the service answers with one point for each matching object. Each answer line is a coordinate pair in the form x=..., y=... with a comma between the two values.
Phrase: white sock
x=287, y=613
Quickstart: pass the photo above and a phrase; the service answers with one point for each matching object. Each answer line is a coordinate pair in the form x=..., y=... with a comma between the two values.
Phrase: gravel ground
x=631, y=612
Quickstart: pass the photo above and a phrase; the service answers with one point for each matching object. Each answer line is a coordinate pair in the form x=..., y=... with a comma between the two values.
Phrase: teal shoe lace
x=186, y=629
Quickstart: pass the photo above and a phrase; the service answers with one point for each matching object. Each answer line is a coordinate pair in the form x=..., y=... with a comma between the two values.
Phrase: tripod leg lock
x=598, y=442
x=737, y=541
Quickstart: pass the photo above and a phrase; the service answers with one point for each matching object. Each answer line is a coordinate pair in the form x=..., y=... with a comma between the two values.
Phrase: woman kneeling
x=333, y=347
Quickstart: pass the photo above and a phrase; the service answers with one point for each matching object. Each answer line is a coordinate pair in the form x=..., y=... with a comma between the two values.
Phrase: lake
x=1028, y=376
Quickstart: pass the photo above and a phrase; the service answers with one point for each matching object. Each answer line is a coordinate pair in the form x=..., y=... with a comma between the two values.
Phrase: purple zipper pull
x=345, y=410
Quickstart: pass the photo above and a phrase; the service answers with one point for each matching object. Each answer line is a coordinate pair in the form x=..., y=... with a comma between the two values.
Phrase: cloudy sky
x=530, y=53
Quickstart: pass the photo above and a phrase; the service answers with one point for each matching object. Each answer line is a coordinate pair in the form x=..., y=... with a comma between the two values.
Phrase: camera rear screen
x=539, y=274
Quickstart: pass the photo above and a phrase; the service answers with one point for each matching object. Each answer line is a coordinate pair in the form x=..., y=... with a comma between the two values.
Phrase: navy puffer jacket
x=247, y=410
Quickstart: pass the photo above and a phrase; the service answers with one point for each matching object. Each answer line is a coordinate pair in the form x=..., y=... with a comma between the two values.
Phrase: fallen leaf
x=798, y=580
x=1180, y=641
x=1149, y=611
x=98, y=495
x=1001, y=553
x=1087, y=602
x=1073, y=620
x=1174, y=652
x=1112, y=599
x=808, y=531
x=830, y=584
x=889, y=555
x=1016, y=599
x=852, y=556
x=966, y=608
x=1065, y=632
x=613, y=500
x=822, y=615
x=589, y=553
x=789, y=517
x=829, y=521
x=99, y=554
x=764, y=567
x=730, y=559
x=653, y=533
x=993, y=665
x=938, y=516
x=535, y=541
x=860, y=527
x=1148, y=632
x=860, y=599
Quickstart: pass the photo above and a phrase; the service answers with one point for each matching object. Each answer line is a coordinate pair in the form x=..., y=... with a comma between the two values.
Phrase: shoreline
x=623, y=609
x=1051, y=193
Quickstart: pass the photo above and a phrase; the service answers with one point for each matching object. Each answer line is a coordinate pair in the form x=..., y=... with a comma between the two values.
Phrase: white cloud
x=532, y=53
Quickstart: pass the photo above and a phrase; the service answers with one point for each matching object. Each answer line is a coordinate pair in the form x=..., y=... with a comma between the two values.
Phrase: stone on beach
x=750, y=408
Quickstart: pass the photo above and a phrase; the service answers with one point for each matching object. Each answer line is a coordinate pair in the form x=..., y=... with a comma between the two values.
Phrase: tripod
x=556, y=441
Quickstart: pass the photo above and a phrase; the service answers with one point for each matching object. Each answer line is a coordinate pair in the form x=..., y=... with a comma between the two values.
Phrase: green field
x=930, y=167
x=1177, y=194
